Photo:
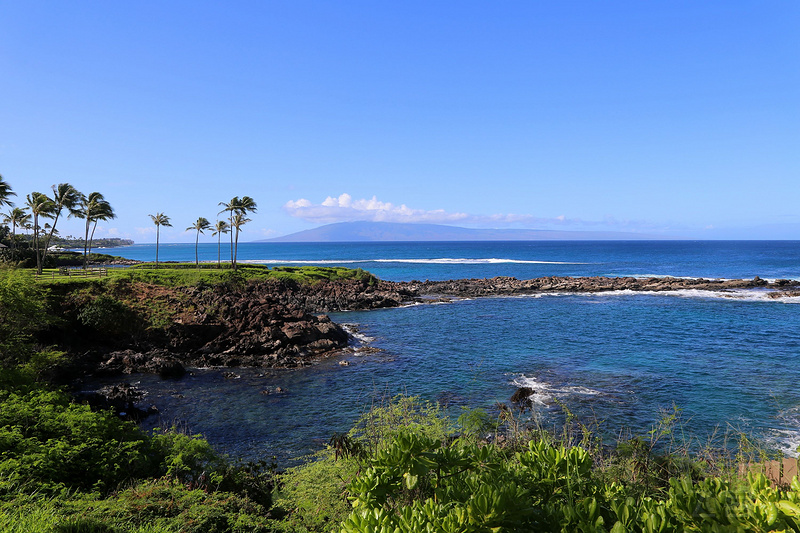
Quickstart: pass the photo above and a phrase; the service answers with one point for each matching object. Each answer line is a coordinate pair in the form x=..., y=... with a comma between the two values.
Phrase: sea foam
x=425, y=261
x=545, y=394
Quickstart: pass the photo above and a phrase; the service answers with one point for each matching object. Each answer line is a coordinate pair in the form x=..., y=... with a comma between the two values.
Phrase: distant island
x=393, y=231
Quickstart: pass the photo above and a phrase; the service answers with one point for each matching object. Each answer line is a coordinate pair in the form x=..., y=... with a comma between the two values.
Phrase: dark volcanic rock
x=522, y=397
x=505, y=286
x=274, y=323
x=120, y=398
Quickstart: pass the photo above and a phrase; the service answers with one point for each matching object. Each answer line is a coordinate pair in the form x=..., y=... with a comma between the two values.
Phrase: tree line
x=237, y=209
x=38, y=206
x=94, y=208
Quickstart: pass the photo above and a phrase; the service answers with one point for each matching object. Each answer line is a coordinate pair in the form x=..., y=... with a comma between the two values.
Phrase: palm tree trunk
x=236, y=249
x=231, y=219
x=36, y=243
x=13, y=239
x=196, y=257
x=158, y=231
x=91, y=237
x=86, y=242
x=219, y=245
x=47, y=241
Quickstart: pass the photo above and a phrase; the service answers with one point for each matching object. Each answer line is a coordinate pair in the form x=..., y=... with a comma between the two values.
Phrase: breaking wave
x=545, y=394
x=751, y=295
x=427, y=261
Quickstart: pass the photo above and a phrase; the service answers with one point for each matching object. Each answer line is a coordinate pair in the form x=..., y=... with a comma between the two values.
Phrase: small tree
x=17, y=217
x=240, y=206
x=93, y=208
x=200, y=225
x=239, y=220
x=220, y=228
x=40, y=206
x=64, y=196
x=159, y=219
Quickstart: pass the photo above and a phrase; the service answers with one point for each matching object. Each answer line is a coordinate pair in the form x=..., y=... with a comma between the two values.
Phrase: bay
x=728, y=361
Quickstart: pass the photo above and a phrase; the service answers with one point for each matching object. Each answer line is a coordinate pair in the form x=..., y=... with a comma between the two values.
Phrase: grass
x=187, y=274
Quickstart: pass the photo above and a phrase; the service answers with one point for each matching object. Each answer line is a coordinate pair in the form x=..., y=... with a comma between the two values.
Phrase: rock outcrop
x=275, y=323
x=356, y=295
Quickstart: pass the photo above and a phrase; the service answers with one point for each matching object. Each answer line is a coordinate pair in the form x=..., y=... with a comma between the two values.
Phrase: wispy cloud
x=345, y=209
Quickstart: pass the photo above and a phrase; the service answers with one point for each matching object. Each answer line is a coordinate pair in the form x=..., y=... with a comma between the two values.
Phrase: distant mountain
x=393, y=231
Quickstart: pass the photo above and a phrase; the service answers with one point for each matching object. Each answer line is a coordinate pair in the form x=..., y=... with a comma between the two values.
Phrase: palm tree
x=5, y=193
x=64, y=195
x=238, y=221
x=16, y=217
x=93, y=208
x=102, y=210
x=219, y=228
x=199, y=225
x=240, y=206
x=229, y=208
x=159, y=219
x=40, y=206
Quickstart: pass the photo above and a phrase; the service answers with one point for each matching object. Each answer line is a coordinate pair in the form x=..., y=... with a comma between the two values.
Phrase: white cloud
x=345, y=209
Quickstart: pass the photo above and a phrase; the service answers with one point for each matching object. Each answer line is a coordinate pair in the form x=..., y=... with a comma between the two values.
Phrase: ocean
x=729, y=362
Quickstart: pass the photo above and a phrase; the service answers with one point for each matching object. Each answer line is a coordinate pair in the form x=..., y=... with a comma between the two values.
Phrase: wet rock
x=120, y=398
x=522, y=397
x=168, y=368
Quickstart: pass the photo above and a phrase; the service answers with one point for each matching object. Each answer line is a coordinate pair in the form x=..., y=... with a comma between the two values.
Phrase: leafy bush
x=23, y=310
x=49, y=444
x=108, y=316
x=313, y=496
x=153, y=506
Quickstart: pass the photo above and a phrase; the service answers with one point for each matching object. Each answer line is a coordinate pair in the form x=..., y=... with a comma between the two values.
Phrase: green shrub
x=108, y=316
x=189, y=459
x=313, y=496
x=48, y=444
x=172, y=504
x=23, y=311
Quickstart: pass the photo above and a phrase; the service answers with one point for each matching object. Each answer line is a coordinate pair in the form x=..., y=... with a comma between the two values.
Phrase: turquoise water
x=728, y=360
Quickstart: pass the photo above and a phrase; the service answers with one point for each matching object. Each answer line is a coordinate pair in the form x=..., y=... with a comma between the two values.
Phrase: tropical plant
x=40, y=206
x=64, y=196
x=229, y=208
x=240, y=206
x=200, y=225
x=238, y=221
x=17, y=217
x=23, y=311
x=5, y=193
x=159, y=219
x=93, y=209
x=219, y=228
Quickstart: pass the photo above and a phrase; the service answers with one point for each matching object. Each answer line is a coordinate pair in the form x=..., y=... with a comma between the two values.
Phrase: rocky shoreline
x=278, y=323
x=352, y=296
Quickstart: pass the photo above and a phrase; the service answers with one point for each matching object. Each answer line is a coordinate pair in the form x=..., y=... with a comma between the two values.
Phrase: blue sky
x=669, y=118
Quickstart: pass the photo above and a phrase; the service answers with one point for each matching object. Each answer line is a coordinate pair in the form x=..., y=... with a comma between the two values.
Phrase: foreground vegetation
x=406, y=465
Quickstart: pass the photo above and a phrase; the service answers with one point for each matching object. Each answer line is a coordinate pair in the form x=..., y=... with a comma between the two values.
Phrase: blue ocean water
x=402, y=261
x=729, y=360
